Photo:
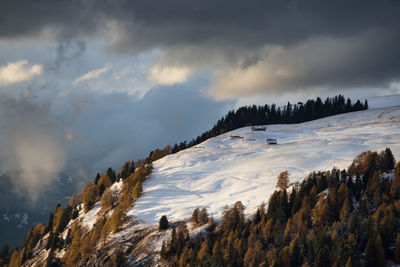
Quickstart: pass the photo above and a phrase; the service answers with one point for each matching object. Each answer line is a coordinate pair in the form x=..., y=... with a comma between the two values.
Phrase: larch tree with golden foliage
x=283, y=181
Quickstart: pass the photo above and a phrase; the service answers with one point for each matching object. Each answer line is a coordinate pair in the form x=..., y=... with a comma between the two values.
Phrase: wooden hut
x=272, y=141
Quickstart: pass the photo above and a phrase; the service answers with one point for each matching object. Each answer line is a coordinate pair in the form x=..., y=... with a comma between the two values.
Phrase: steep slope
x=239, y=165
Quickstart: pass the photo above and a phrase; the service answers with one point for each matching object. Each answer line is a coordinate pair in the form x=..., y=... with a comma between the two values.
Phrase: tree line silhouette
x=263, y=115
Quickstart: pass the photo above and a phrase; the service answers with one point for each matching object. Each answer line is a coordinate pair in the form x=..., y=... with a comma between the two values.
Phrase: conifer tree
x=50, y=223
x=385, y=161
x=321, y=212
x=211, y=224
x=371, y=252
x=203, y=252
x=343, y=194
x=373, y=190
x=126, y=169
x=283, y=181
x=96, y=180
x=163, y=224
x=89, y=196
x=111, y=174
x=137, y=190
x=366, y=104
x=322, y=258
x=345, y=211
x=108, y=199
x=395, y=187
x=380, y=254
x=195, y=215
x=203, y=216
x=117, y=218
x=397, y=249
x=184, y=257
x=390, y=160
x=348, y=262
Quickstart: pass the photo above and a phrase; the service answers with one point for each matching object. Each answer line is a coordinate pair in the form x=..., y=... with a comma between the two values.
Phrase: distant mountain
x=18, y=214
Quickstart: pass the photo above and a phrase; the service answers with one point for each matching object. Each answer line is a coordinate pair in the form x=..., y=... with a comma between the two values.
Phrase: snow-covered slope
x=225, y=169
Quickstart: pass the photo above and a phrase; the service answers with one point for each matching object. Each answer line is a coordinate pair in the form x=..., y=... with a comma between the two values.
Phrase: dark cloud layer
x=29, y=18
x=166, y=23
x=196, y=35
x=249, y=24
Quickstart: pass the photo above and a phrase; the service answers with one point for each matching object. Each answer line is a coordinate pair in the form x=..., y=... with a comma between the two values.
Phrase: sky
x=87, y=84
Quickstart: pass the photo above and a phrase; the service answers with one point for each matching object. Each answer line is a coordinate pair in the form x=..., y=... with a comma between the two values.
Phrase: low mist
x=31, y=145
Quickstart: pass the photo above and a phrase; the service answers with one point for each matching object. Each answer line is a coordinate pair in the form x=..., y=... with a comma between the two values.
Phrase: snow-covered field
x=223, y=170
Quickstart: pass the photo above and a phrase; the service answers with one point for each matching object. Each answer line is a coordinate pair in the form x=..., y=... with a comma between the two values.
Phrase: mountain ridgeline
x=67, y=243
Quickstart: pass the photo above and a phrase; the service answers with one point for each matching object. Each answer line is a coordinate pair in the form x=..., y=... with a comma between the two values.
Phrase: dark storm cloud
x=175, y=22
x=242, y=37
x=22, y=18
x=248, y=23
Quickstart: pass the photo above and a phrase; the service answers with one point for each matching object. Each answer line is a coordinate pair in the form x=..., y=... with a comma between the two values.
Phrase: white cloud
x=31, y=148
x=19, y=71
x=169, y=75
x=91, y=75
x=40, y=158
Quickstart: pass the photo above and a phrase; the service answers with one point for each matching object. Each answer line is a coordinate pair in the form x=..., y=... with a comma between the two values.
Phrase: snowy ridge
x=226, y=169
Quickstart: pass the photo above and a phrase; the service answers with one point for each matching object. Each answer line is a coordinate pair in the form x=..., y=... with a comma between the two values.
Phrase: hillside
x=235, y=166
x=332, y=218
x=239, y=165
x=21, y=214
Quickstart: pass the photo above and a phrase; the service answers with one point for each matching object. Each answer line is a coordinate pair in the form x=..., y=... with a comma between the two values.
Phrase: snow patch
x=389, y=176
x=89, y=219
